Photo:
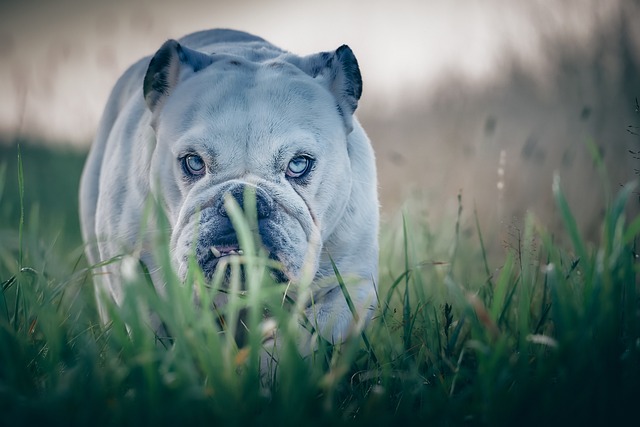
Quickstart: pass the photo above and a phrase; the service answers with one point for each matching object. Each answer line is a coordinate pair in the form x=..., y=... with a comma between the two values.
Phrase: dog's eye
x=193, y=164
x=298, y=166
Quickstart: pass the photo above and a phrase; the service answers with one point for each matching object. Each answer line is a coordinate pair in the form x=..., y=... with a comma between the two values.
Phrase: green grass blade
x=352, y=308
x=502, y=286
x=594, y=151
x=21, y=197
x=3, y=300
x=16, y=308
x=345, y=292
x=568, y=219
x=617, y=210
x=507, y=302
x=392, y=288
x=620, y=202
x=456, y=241
x=632, y=231
x=483, y=251
x=406, y=306
x=3, y=174
x=453, y=340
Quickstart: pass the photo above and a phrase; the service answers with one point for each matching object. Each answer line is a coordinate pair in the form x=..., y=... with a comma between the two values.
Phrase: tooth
x=215, y=252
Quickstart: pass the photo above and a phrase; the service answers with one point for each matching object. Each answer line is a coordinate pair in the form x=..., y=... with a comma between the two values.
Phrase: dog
x=221, y=111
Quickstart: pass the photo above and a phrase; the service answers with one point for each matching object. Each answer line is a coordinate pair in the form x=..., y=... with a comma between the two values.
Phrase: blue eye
x=299, y=166
x=193, y=164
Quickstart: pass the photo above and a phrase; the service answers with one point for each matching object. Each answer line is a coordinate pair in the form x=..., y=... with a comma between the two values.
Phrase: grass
x=552, y=335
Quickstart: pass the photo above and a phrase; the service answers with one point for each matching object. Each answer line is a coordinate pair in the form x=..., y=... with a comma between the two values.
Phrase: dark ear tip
x=344, y=50
x=351, y=68
x=171, y=47
x=155, y=80
x=169, y=44
x=164, y=54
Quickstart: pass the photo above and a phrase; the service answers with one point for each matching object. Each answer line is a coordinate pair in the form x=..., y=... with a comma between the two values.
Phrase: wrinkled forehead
x=237, y=97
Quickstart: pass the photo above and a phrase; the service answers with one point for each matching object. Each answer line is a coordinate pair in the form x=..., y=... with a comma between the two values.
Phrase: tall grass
x=550, y=335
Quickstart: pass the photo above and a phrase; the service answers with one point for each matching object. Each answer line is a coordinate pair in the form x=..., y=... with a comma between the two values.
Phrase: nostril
x=222, y=211
x=263, y=211
x=263, y=202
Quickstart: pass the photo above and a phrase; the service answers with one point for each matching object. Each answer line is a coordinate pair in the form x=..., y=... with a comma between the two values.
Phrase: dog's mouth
x=220, y=255
x=222, y=251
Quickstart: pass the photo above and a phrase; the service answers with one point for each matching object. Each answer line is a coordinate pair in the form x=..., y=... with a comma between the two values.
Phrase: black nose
x=264, y=204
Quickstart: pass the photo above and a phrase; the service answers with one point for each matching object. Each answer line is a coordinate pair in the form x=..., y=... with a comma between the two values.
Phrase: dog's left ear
x=171, y=64
x=341, y=75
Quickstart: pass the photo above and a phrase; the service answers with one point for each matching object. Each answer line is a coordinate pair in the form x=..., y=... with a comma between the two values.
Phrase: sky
x=61, y=58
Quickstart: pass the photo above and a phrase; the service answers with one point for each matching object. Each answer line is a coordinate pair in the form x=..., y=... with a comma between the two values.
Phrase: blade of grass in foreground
x=632, y=231
x=615, y=216
x=484, y=252
x=392, y=288
x=352, y=308
x=3, y=174
x=502, y=285
x=570, y=224
x=406, y=307
x=21, y=196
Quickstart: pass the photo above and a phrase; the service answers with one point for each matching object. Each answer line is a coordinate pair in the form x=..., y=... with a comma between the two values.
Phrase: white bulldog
x=219, y=111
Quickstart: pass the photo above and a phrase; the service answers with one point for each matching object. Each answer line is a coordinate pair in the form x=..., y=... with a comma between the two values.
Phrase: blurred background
x=484, y=98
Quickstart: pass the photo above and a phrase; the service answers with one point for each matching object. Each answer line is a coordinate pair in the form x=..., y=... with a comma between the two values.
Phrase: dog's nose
x=264, y=203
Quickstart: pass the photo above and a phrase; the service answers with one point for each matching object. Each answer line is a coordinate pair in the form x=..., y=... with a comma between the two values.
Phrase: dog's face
x=277, y=128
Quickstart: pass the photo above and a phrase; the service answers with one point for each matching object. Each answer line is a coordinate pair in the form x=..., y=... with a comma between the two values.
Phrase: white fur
x=246, y=121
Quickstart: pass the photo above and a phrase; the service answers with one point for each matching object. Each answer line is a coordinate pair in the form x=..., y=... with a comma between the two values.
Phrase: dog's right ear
x=340, y=73
x=171, y=64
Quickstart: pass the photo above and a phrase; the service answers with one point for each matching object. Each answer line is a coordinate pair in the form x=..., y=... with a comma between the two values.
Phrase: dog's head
x=262, y=120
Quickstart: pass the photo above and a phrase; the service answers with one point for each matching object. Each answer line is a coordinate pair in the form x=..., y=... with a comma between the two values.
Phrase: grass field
x=551, y=335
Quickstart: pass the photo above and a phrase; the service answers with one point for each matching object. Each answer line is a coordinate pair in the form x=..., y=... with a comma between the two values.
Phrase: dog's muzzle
x=218, y=238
